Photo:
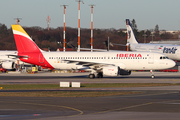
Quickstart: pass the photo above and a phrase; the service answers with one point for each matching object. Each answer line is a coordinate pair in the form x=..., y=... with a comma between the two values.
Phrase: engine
x=125, y=72
x=8, y=65
x=115, y=71
x=111, y=71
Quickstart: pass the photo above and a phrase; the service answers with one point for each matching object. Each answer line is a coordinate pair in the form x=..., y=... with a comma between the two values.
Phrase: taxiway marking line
x=80, y=112
x=133, y=106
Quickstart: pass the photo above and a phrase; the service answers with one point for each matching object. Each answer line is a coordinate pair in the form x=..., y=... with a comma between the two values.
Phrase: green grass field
x=85, y=85
x=74, y=93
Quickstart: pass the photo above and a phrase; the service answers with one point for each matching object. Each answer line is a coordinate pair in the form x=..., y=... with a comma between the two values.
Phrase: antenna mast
x=91, y=27
x=79, y=23
x=64, y=33
x=48, y=21
x=18, y=20
x=127, y=36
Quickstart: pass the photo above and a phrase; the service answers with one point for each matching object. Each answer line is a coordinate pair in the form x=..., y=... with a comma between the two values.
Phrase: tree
x=156, y=31
x=3, y=30
x=134, y=26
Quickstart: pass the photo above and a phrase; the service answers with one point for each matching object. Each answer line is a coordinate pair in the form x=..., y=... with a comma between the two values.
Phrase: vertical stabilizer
x=23, y=42
x=130, y=34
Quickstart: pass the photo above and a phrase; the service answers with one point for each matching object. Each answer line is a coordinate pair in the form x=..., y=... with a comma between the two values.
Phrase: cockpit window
x=164, y=57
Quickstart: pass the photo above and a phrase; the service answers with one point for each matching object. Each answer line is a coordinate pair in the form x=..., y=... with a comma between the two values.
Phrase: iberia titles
x=129, y=55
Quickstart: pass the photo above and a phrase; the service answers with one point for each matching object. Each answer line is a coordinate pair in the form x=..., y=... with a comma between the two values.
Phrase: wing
x=16, y=56
x=89, y=65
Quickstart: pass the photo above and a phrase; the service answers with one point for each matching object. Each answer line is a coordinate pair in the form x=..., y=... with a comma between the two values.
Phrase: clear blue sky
x=107, y=13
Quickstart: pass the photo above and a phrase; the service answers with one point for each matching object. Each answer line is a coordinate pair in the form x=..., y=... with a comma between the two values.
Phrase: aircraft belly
x=64, y=66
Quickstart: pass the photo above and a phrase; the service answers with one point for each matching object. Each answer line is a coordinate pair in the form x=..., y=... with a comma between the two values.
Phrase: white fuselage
x=172, y=51
x=9, y=56
x=4, y=55
x=125, y=60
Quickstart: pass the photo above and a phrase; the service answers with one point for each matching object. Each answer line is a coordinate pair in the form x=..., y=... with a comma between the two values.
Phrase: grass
x=65, y=94
x=74, y=93
x=84, y=85
x=114, y=85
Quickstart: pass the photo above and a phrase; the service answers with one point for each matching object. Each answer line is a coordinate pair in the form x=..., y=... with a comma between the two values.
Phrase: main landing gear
x=99, y=75
x=91, y=76
x=152, y=74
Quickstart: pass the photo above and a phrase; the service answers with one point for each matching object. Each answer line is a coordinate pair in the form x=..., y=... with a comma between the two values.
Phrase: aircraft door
x=41, y=58
x=150, y=58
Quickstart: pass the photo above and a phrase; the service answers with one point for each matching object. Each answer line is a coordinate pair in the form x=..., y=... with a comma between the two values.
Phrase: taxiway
x=152, y=103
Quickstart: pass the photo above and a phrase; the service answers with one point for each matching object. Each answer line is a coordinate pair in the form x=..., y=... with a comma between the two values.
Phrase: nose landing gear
x=152, y=74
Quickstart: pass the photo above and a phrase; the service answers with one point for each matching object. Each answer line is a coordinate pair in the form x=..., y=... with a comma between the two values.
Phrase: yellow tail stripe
x=19, y=28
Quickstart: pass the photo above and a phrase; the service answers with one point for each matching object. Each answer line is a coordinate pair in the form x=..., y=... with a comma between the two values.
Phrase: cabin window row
x=164, y=57
x=63, y=58
x=77, y=58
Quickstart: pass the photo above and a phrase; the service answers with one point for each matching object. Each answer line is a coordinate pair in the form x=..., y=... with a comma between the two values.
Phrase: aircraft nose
x=171, y=63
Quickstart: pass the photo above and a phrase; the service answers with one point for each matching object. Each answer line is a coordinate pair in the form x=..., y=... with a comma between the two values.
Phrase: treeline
x=53, y=38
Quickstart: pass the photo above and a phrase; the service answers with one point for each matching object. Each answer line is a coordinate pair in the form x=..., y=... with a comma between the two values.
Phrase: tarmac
x=162, y=103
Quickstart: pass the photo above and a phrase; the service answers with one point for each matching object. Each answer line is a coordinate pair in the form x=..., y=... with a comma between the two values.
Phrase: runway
x=152, y=103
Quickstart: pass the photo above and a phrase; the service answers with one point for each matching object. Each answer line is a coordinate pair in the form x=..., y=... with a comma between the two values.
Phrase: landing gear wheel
x=91, y=76
x=99, y=75
x=152, y=76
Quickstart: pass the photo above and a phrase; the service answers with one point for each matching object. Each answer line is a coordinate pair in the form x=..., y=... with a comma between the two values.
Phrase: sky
x=107, y=13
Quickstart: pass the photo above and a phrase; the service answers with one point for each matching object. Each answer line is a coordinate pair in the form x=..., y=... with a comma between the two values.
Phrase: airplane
x=172, y=51
x=6, y=62
x=9, y=59
x=100, y=63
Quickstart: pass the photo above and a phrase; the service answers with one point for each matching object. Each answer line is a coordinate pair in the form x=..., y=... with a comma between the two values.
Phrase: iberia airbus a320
x=100, y=63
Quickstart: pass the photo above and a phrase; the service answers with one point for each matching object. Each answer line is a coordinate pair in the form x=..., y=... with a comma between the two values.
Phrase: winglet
x=130, y=34
x=23, y=42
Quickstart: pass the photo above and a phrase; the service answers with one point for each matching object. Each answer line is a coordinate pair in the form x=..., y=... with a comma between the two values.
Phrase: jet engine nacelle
x=8, y=65
x=111, y=71
x=125, y=72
